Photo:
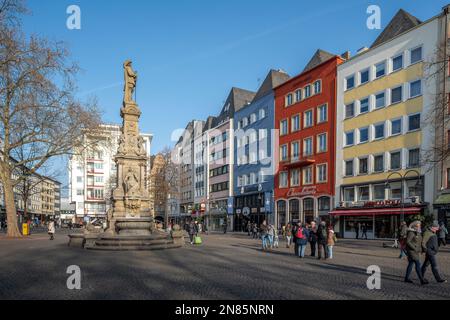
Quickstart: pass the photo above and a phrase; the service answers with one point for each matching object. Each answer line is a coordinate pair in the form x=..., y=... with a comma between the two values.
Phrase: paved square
x=225, y=267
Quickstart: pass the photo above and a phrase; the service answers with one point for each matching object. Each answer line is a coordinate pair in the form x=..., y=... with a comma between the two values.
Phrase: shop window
x=324, y=204
x=308, y=209
x=294, y=210
x=281, y=210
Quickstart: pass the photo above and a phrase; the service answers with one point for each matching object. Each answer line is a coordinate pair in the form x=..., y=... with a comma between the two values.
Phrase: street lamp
x=419, y=184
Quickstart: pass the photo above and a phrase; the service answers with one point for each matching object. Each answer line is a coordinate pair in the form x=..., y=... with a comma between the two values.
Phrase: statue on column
x=130, y=82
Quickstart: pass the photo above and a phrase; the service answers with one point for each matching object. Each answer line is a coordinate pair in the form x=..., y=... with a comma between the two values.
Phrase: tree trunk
x=11, y=215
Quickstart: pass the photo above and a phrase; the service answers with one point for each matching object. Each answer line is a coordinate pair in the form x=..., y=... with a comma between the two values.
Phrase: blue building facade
x=253, y=178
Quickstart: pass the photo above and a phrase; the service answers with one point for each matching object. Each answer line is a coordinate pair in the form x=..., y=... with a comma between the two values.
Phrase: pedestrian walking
x=271, y=235
x=51, y=229
x=192, y=227
x=331, y=242
x=249, y=228
x=313, y=238
x=402, y=239
x=413, y=251
x=225, y=226
x=295, y=239
x=431, y=248
x=302, y=240
x=288, y=234
x=443, y=232
x=264, y=229
x=357, y=228
x=322, y=239
x=276, y=238
x=255, y=231
x=364, y=231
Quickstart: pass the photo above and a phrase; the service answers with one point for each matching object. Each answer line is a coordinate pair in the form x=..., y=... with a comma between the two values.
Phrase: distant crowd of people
x=320, y=237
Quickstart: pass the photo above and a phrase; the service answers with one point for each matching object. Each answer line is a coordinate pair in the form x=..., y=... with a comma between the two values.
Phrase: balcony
x=297, y=162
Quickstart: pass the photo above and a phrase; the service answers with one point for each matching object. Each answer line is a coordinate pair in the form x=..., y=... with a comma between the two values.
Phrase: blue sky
x=190, y=53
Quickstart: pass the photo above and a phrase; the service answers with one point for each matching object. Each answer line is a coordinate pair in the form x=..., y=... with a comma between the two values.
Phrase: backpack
x=299, y=233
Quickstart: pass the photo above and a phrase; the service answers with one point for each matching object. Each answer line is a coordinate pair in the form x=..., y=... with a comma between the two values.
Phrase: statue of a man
x=130, y=81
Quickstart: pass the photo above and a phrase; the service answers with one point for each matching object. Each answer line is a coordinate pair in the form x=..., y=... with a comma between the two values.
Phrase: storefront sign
x=230, y=206
x=267, y=202
x=246, y=211
x=305, y=191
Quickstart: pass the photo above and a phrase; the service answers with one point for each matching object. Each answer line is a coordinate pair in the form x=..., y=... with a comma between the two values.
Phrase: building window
x=79, y=179
x=298, y=95
x=295, y=150
x=322, y=173
x=324, y=204
x=317, y=87
x=253, y=118
x=364, y=105
x=350, y=110
x=80, y=192
x=416, y=55
x=253, y=178
x=380, y=100
x=308, y=175
x=308, y=119
x=322, y=142
x=262, y=113
x=379, y=163
x=284, y=152
x=363, y=193
x=349, y=194
x=307, y=91
x=284, y=127
x=396, y=190
x=379, y=131
x=396, y=95
x=283, y=179
x=349, y=138
x=396, y=160
x=414, y=158
x=363, y=166
x=364, y=76
x=379, y=192
x=289, y=99
x=380, y=69
x=397, y=63
x=415, y=89
x=295, y=178
x=363, y=135
x=349, y=168
x=307, y=147
x=350, y=82
x=396, y=127
x=323, y=113
x=414, y=122
x=295, y=122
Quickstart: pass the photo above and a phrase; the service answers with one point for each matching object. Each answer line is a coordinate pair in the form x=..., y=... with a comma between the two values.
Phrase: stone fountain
x=130, y=221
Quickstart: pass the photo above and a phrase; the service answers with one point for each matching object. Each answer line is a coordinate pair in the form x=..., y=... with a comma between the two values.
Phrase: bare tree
x=164, y=181
x=40, y=118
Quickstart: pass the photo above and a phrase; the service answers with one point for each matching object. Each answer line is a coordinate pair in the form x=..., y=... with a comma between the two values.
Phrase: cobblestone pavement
x=225, y=267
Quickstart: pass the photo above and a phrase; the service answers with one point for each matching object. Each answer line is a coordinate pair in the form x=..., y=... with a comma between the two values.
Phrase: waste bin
x=25, y=229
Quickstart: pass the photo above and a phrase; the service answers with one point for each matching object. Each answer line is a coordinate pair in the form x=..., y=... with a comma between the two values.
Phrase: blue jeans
x=330, y=252
x=264, y=241
x=411, y=264
x=301, y=250
x=270, y=240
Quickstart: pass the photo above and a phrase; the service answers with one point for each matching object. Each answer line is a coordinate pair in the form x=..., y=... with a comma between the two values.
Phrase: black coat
x=312, y=235
x=431, y=247
x=322, y=234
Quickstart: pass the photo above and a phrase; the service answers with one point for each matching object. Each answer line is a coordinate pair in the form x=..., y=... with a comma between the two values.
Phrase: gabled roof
x=318, y=58
x=209, y=123
x=400, y=23
x=273, y=79
x=237, y=99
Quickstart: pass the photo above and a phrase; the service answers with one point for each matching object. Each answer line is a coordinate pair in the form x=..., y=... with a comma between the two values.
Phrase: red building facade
x=305, y=115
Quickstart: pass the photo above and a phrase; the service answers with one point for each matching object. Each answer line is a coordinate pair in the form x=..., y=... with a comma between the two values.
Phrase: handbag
x=197, y=240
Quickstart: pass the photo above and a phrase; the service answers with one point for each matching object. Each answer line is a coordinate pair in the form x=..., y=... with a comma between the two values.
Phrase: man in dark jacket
x=413, y=251
x=322, y=237
x=431, y=247
x=313, y=238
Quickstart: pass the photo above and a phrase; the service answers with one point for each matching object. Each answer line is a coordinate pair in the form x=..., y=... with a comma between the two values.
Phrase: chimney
x=346, y=55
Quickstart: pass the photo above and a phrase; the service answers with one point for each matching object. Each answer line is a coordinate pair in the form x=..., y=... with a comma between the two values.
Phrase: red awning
x=378, y=211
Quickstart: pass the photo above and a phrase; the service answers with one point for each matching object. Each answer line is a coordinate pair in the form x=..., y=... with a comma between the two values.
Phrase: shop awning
x=369, y=212
x=443, y=199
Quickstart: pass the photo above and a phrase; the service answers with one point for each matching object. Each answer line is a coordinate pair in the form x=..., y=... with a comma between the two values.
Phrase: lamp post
x=402, y=179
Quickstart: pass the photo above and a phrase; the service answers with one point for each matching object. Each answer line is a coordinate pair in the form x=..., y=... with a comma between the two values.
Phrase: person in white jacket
x=51, y=229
